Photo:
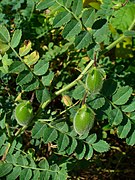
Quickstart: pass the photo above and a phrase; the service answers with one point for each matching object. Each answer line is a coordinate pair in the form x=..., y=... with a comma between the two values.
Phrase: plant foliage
x=47, y=49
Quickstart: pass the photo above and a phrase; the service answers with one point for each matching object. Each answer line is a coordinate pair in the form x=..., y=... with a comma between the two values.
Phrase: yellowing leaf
x=93, y=3
x=67, y=100
x=124, y=49
x=3, y=47
x=25, y=49
x=31, y=58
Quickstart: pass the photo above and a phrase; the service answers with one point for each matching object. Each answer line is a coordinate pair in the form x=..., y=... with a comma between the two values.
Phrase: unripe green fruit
x=94, y=80
x=24, y=113
x=83, y=120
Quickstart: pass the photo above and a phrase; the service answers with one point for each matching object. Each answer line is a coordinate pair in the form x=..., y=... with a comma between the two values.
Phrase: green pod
x=94, y=80
x=24, y=113
x=83, y=120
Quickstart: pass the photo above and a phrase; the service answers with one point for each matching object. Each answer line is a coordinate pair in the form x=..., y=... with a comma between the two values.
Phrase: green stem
x=76, y=80
x=8, y=130
x=108, y=48
x=73, y=83
x=20, y=131
x=69, y=11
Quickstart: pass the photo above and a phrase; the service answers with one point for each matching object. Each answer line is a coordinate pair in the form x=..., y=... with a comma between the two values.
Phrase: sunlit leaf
x=16, y=38
x=5, y=168
x=122, y=95
x=71, y=29
x=14, y=174
x=41, y=67
x=49, y=135
x=63, y=142
x=101, y=146
x=83, y=40
x=31, y=58
x=24, y=77
x=124, y=128
x=4, y=34
x=115, y=117
x=16, y=67
x=62, y=18
x=77, y=7
x=25, y=48
x=88, y=17
x=42, y=95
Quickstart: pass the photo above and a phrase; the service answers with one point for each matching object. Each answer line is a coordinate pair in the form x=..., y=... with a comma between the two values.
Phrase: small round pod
x=24, y=113
x=95, y=79
x=67, y=100
x=83, y=120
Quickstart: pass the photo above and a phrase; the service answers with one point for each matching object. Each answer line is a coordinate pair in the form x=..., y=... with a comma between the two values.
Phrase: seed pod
x=94, y=80
x=83, y=120
x=24, y=113
x=67, y=100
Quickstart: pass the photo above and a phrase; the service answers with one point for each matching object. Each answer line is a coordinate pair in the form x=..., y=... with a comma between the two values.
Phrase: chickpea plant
x=58, y=89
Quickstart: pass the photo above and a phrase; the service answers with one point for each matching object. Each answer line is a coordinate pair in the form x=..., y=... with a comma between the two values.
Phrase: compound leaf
x=67, y=3
x=130, y=140
x=32, y=58
x=14, y=174
x=71, y=29
x=91, y=139
x=36, y=174
x=101, y=146
x=71, y=148
x=130, y=107
x=124, y=17
x=46, y=80
x=88, y=17
x=63, y=142
x=78, y=92
x=41, y=67
x=80, y=150
x=25, y=48
x=83, y=40
x=45, y=4
x=49, y=135
x=26, y=174
x=122, y=95
x=16, y=67
x=124, y=128
x=16, y=38
x=31, y=85
x=115, y=117
x=89, y=152
x=77, y=7
x=5, y=168
x=38, y=130
x=42, y=95
x=61, y=19
x=24, y=77
x=4, y=34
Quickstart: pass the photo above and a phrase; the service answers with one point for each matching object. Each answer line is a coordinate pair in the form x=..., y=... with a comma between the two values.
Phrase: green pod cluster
x=24, y=113
x=94, y=80
x=83, y=120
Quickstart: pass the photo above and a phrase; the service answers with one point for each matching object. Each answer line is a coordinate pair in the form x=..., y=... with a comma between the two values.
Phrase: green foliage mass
x=47, y=49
